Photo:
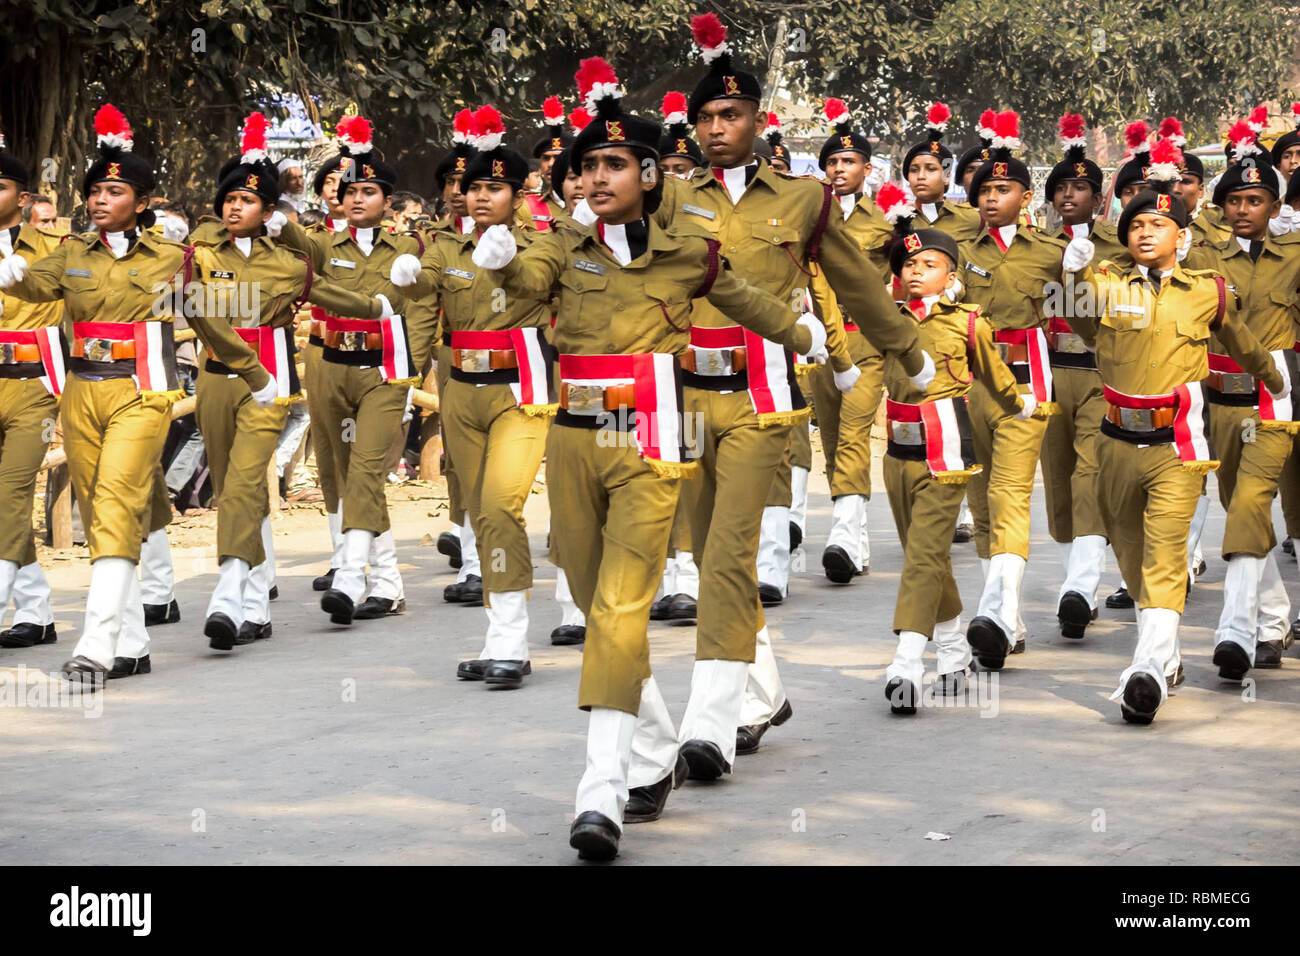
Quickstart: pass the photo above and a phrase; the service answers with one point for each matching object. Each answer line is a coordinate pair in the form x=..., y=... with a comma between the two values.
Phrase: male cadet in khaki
x=31, y=379
x=774, y=231
x=1069, y=455
x=976, y=156
x=846, y=401
x=1251, y=431
x=1151, y=329
x=555, y=140
x=1007, y=270
x=927, y=167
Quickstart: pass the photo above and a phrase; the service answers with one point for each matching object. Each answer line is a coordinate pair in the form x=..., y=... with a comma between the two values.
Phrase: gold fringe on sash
x=1201, y=467
x=803, y=368
x=171, y=394
x=1291, y=428
x=541, y=411
x=957, y=477
x=415, y=380
x=672, y=469
x=769, y=419
x=290, y=400
x=1046, y=410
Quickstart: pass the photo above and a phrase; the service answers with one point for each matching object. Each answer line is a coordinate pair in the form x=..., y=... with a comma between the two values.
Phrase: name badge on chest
x=220, y=274
x=461, y=273
x=698, y=211
x=984, y=273
x=343, y=263
x=79, y=273
x=586, y=265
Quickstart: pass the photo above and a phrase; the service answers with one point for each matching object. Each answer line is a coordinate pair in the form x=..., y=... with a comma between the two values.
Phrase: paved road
x=357, y=745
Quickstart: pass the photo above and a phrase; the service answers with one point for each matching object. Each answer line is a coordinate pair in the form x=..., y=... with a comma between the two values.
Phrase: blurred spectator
x=534, y=181
x=405, y=208
x=289, y=209
x=41, y=213
x=293, y=184
x=310, y=217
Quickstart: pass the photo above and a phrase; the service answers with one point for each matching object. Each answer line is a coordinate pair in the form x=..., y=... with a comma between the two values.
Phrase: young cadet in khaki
x=368, y=366
x=928, y=168
x=846, y=402
x=31, y=380
x=1069, y=456
x=616, y=453
x=244, y=279
x=1008, y=271
x=930, y=455
x=117, y=287
x=1252, y=433
x=496, y=407
x=1152, y=335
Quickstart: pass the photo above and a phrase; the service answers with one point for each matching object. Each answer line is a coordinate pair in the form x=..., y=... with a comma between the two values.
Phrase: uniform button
x=610, y=349
x=132, y=272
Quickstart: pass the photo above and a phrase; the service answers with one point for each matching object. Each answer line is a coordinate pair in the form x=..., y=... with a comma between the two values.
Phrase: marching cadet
x=33, y=359
x=927, y=167
x=157, y=577
x=775, y=231
x=616, y=454
x=1190, y=188
x=846, y=401
x=496, y=407
x=930, y=453
x=554, y=140
x=1007, y=272
x=244, y=278
x=1152, y=335
x=1285, y=152
x=367, y=369
x=1251, y=430
x=976, y=156
x=1130, y=178
x=1069, y=457
x=780, y=160
x=116, y=284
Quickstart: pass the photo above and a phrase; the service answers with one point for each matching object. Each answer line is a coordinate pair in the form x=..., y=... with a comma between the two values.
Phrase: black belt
x=1234, y=400
x=1159, y=436
x=316, y=340
x=500, y=376
x=358, y=357
x=1021, y=372
x=122, y=368
x=22, y=370
x=1071, y=359
x=738, y=382
x=624, y=419
x=446, y=339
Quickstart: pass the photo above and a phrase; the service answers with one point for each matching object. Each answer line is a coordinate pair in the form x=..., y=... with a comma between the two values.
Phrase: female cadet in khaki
x=1152, y=337
x=32, y=374
x=930, y=455
x=117, y=288
x=243, y=278
x=368, y=366
x=616, y=454
x=496, y=407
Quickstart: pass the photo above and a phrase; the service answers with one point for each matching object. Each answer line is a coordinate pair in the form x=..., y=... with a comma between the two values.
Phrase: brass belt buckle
x=712, y=361
x=906, y=433
x=1238, y=383
x=476, y=360
x=352, y=341
x=586, y=399
x=98, y=350
x=1070, y=343
x=7, y=353
x=1136, y=419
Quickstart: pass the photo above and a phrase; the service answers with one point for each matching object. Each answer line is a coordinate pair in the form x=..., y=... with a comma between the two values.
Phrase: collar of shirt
x=9, y=240
x=244, y=244
x=736, y=179
x=626, y=241
x=931, y=210
x=921, y=307
x=119, y=243
x=849, y=202
x=338, y=225
x=1003, y=235
x=1081, y=230
x=465, y=224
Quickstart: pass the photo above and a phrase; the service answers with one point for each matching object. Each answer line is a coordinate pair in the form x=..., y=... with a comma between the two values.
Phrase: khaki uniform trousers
x=999, y=495
x=27, y=417
x=240, y=439
x=1069, y=455
x=687, y=496
x=455, y=494
x=361, y=419
x=845, y=422
x=114, y=438
x=498, y=448
x=925, y=514
x=1251, y=461
x=1147, y=502
x=1289, y=491
x=612, y=515
x=738, y=462
x=326, y=476
x=160, y=499
x=798, y=452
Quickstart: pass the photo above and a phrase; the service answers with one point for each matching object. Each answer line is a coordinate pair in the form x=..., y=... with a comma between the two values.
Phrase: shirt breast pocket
x=774, y=246
x=583, y=299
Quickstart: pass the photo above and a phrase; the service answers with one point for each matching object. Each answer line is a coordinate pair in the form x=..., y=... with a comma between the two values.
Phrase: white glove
x=1284, y=222
x=496, y=247
x=1280, y=362
x=386, y=306
x=265, y=396
x=174, y=228
x=405, y=270
x=954, y=290
x=1027, y=405
x=846, y=379
x=407, y=414
x=1078, y=254
x=875, y=178
x=1185, y=246
x=922, y=379
x=817, y=353
x=276, y=223
x=582, y=212
x=12, y=270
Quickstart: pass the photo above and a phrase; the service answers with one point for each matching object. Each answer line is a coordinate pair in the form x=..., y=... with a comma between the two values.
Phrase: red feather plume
x=938, y=115
x=1241, y=131
x=987, y=119
x=111, y=127
x=552, y=110
x=355, y=130
x=834, y=110
x=1259, y=117
x=1135, y=136
x=253, y=139
x=708, y=31
x=488, y=120
x=1165, y=151
x=1007, y=125
x=591, y=71
x=674, y=102
x=1071, y=126
x=579, y=119
x=1169, y=128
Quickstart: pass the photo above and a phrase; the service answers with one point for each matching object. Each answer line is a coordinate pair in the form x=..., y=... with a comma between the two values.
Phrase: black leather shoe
x=274, y=593
x=1120, y=600
x=1231, y=659
x=373, y=607
x=1288, y=547
x=507, y=675
x=250, y=632
x=324, y=582
x=682, y=608
x=1074, y=614
x=645, y=804
x=449, y=544
x=84, y=671
x=988, y=642
x=963, y=534
x=128, y=666
x=769, y=595
x=1268, y=655
x=468, y=592
x=1141, y=699
x=155, y=614
x=568, y=634
x=472, y=670
x=659, y=610
x=339, y=605
x=796, y=537
x=837, y=565
x=594, y=836
x=1199, y=569
x=748, y=736
x=954, y=684
x=1019, y=647
x=1177, y=679
x=220, y=631
x=28, y=635
x=902, y=696
x=704, y=760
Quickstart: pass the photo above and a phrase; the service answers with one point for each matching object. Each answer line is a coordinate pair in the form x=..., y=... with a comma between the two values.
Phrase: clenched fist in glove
x=817, y=352
x=1027, y=405
x=276, y=223
x=1078, y=254
x=404, y=271
x=496, y=247
x=12, y=270
x=922, y=379
x=265, y=396
x=846, y=379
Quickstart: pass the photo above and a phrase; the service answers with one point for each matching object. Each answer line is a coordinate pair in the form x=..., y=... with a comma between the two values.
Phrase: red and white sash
x=155, y=351
x=653, y=376
x=49, y=341
x=1271, y=410
x=942, y=434
x=533, y=389
x=396, y=366
x=1191, y=423
x=274, y=348
x=1040, y=369
x=767, y=366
